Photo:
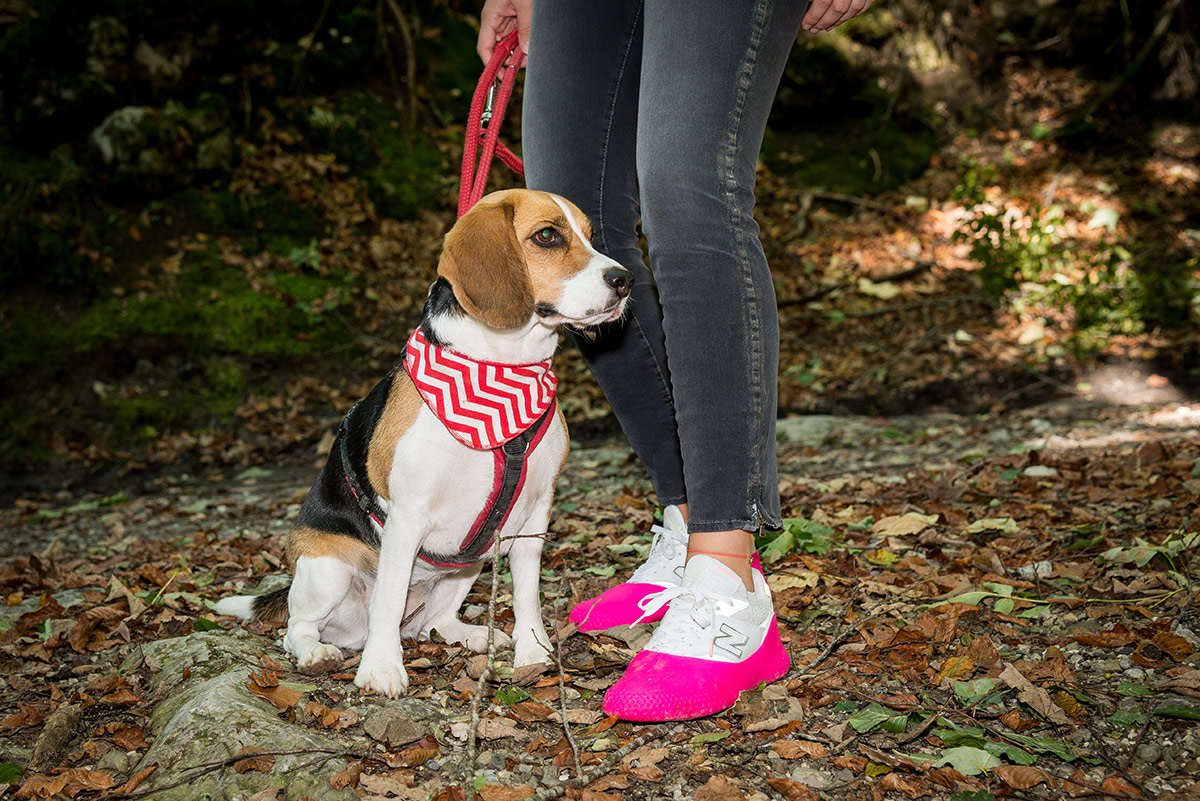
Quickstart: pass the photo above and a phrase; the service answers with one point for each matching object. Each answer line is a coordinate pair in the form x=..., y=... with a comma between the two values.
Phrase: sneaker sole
x=662, y=687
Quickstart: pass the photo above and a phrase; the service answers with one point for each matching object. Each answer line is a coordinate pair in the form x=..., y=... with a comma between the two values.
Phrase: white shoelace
x=663, y=548
x=703, y=608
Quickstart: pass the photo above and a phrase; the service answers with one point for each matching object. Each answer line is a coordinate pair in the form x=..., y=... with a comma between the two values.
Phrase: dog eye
x=547, y=237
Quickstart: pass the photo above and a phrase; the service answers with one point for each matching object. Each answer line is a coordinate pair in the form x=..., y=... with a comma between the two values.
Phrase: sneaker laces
x=702, y=609
x=665, y=547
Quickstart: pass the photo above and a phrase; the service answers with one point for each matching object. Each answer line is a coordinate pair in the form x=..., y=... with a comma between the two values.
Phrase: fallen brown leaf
x=1022, y=777
x=138, y=778
x=252, y=760
x=280, y=697
x=347, y=776
x=1037, y=698
x=610, y=781
x=794, y=749
x=1173, y=645
x=719, y=788
x=496, y=792
x=1118, y=786
x=41, y=786
x=910, y=787
x=792, y=789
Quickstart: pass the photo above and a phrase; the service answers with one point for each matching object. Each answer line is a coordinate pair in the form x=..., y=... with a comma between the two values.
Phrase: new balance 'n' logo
x=731, y=641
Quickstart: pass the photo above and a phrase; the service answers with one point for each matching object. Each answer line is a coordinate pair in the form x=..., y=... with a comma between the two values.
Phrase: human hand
x=824, y=15
x=498, y=19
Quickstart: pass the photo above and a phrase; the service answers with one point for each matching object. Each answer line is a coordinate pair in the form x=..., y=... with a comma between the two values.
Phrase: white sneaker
x=663, y=568
x=715, y=640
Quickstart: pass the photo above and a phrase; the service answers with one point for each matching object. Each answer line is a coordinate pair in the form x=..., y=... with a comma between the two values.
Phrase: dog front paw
x=324, y=658
x=474, y=638
x=381, y=675
x=530, y=651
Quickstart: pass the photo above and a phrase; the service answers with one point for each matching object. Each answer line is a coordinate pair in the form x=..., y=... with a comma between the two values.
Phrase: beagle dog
x=458, y=445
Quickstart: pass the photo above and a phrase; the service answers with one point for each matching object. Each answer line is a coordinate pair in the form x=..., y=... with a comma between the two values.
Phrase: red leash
x=487, y=109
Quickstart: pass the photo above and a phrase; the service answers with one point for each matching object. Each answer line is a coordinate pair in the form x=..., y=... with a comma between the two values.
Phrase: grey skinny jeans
x=657, y=108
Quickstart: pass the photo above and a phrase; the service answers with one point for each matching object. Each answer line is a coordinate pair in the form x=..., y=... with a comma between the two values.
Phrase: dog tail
x=272, y=606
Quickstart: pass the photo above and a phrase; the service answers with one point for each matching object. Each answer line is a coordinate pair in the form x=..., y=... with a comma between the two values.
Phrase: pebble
x=1149, y=753
x=1135, y=673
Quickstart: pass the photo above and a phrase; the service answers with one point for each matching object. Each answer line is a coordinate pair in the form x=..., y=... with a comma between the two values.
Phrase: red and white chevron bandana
x=483, y=404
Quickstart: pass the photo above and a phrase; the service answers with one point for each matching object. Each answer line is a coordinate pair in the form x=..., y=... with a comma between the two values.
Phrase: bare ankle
x=731, y=548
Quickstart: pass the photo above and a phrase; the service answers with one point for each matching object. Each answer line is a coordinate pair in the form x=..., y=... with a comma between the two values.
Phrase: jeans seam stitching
x=746, y=75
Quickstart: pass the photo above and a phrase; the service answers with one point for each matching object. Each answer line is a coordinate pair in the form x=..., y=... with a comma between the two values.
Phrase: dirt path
x=1066, y=533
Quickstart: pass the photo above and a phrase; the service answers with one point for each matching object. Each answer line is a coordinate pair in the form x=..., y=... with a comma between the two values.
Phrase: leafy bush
x=1028, y=260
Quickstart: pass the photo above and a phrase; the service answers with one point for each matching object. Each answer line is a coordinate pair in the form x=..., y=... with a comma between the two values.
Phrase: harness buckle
x=516, y=446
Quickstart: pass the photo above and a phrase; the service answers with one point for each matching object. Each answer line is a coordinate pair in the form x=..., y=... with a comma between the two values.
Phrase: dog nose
x=620, y=279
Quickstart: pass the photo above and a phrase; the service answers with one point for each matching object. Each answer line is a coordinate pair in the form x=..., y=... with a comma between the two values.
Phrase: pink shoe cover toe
x=616, y=606
x=659, y=687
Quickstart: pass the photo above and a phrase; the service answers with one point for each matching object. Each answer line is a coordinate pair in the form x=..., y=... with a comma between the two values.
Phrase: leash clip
x=489, y=103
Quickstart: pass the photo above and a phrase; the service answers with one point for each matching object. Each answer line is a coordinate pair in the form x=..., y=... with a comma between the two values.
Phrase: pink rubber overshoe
x=715, y=641
x=619, y=605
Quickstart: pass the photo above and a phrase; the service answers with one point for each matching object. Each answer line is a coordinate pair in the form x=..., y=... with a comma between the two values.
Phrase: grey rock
x=816, y=779
x=204, y=655
x=66, y=599
x=122, y=135
x=393, y=726
x=1149, y=753
x=215, y=153
x=215, y=719
x=811, y=430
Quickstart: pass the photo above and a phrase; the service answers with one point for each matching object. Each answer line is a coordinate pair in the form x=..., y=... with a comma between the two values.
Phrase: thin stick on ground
x=562, y=696
x=486, y=672
x=205, y=768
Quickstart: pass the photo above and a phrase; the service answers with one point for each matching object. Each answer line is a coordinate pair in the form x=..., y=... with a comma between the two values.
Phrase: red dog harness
x=504, y=408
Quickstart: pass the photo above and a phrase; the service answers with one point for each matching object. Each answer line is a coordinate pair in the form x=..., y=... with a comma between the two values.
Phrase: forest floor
x=985, y=586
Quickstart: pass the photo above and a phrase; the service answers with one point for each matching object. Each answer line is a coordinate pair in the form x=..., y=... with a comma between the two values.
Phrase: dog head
x=519, y=256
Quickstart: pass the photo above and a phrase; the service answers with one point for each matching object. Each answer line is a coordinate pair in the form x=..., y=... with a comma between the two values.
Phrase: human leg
x=579, y=124
x=706, y=92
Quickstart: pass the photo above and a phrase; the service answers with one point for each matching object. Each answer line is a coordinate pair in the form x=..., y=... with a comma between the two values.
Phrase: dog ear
x=483, y=261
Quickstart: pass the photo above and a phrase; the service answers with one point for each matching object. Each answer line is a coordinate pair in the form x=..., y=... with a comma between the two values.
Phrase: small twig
x=1078, y=120
x=410, y=59
x=163, y=589
x=562, y=702
x=841, y=197
x=486, y=672
x=1107, y=756
x=205, y=768
x=1141, y=735
x=840, y=635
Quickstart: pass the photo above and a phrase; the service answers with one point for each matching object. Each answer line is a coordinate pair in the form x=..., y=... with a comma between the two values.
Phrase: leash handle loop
x=487, y=107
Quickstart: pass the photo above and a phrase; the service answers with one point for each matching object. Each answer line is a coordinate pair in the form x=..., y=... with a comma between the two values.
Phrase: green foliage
x=36, y=245
x=510, y=695
x=798, y=535
x=1178, y=711
x=1030, y=261
x=1141, y=552
x=877, y=716
x=365, y=133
